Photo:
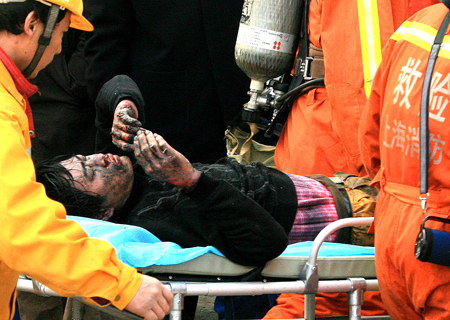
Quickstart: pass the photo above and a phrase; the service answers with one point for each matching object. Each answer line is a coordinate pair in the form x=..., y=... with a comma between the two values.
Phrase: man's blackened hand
x=163, y=162
x=125, y=125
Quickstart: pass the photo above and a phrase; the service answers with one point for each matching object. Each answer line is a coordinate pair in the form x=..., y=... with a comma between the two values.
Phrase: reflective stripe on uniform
x=421, y=35
x=369, y=28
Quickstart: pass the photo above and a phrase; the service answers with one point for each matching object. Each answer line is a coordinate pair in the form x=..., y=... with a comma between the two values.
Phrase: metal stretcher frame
x=308, y=283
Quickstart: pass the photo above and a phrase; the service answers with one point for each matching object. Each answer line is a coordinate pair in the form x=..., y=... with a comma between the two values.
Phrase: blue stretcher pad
x=139, y=248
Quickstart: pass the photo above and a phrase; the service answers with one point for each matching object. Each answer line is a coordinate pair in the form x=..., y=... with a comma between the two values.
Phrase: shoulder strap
x=303, y=48
x=424, y=104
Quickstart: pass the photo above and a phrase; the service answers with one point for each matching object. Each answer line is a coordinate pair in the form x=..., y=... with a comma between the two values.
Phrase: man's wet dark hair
x=60, y=186
x=12, y=15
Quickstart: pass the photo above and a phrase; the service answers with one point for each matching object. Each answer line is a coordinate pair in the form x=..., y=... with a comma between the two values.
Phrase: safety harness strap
x=317, y=65
x=424, y=105
x=300, y=61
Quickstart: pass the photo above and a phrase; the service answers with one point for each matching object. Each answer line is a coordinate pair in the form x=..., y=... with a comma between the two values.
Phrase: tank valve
x=265, y=49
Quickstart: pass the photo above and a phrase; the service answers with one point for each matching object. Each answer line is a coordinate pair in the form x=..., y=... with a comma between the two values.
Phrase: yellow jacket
x=35, y=237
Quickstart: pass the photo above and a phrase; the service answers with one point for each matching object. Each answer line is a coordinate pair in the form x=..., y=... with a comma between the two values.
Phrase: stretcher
x=306, y=268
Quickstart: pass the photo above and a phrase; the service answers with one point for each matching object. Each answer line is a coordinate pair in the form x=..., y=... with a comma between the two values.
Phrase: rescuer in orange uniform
x=35, y=238
x=320, y=135
x=389, y=138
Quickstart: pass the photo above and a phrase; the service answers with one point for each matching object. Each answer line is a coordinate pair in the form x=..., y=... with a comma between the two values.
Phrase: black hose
x=319, y=82
x=288, y=97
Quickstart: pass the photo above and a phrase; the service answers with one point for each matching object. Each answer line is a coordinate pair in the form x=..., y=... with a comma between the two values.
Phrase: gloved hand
x=125, y=125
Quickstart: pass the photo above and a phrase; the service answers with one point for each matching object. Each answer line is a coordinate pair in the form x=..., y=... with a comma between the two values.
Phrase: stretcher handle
x=330, y=229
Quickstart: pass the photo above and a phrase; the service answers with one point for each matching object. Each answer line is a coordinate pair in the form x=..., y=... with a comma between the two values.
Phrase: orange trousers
x=410, y=289
x=291, y=305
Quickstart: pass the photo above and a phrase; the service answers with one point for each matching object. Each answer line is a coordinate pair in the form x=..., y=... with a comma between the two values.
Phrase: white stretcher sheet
x=139, y=248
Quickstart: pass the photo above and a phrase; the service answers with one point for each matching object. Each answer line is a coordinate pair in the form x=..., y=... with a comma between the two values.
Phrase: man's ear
x=107, y=213
x=31, y=23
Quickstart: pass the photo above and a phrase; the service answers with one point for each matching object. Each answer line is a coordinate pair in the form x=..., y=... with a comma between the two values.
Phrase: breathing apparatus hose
x=291, y=94
x=44, y=39
x=287, y=98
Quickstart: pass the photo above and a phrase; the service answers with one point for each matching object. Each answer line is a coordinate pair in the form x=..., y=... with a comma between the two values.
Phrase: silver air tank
x=266, y=44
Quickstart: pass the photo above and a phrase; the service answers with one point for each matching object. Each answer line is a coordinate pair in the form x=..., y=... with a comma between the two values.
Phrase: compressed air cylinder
x=266, y=41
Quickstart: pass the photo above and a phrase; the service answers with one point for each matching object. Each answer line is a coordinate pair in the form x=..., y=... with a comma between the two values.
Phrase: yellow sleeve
x=37, y=240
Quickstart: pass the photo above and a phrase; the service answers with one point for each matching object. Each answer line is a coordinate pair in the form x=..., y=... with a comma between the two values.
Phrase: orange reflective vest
x=320, y=135
x=35, y=238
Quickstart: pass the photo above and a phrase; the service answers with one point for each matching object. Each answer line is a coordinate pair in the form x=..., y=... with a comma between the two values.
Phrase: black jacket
x=181, y=55
x=245, y=211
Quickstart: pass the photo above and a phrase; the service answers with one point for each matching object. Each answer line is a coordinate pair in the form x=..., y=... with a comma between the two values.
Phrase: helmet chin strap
x=44, y=39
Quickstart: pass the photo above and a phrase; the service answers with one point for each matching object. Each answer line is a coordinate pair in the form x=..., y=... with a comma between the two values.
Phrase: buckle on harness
x=306, y=68
x=303, y=67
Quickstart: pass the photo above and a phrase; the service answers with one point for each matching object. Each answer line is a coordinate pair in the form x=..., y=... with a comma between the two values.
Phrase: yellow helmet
x=77, y=21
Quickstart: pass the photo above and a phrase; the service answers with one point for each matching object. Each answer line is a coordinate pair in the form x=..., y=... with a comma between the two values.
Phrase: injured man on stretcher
x=248, y=212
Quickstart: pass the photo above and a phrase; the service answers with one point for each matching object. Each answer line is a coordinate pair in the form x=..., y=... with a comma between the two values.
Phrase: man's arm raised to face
x=163, y=162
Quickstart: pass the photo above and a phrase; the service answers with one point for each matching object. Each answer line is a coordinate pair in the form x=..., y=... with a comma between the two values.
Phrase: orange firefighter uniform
x=320, y=135
x=35, y=236
x=389, y=139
